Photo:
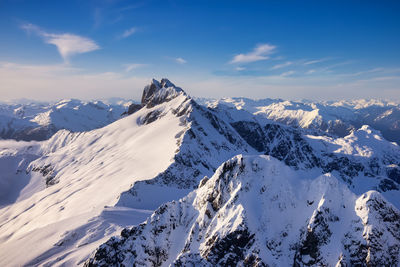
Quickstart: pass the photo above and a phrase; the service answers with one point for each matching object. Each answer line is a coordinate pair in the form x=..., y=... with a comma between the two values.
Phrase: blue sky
x=280, y=49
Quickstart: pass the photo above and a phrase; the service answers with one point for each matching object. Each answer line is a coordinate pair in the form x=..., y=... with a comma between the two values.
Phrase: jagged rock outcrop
x=159, y=92
x=132, y=109
x=255, y=211
x=154, y=94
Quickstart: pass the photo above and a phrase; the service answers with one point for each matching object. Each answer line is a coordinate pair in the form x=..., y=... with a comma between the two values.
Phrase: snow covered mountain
x=255, y=211
x=39, y=121
x=63, y=197
x=339, y=118
x=68, y=187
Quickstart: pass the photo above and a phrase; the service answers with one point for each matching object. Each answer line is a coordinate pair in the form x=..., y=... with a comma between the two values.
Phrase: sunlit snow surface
x=93, y=168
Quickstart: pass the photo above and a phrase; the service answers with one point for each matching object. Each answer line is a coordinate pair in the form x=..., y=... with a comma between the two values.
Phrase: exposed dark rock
x=159, y=92
x=229, y=250
x=48, y=172
x=132, y=109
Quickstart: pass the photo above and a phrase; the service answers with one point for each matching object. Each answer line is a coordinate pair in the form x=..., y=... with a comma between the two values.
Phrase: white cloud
x=365, y=72
x=67, y=44
x=133, y=66
x=328, y=69
x=310, y=71
x=315, y=61
x=282, y=65
x=260, y=52
x=70, y=44
x=240, y=68
x=180, y=60
x=287, y=73
x=129, y=32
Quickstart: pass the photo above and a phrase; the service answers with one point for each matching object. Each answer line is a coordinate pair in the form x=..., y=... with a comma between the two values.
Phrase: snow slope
x=255, y=211
x=85, y=172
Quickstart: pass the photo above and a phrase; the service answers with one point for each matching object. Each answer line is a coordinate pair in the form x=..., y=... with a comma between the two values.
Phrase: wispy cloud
x=67, y=44
x=365, y=72
x=287, y=73
x=133, y=66
x=328, y=69
x=311, y=71
x=260, y=52
x=282, y=65
x=180, y=60
x=310, y=62
x=240, y=68
x=128, y=32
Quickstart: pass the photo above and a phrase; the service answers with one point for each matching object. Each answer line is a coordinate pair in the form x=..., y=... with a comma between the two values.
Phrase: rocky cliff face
x=159, y=92
x=255, y=211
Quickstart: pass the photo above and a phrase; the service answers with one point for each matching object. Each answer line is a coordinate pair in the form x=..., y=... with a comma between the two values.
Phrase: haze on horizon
x=277, y=49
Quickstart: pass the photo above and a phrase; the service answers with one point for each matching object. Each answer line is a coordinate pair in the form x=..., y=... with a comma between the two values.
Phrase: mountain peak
x=159, y=92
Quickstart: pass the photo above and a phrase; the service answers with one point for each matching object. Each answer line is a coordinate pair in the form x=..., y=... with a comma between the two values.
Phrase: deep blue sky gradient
x=350, y=36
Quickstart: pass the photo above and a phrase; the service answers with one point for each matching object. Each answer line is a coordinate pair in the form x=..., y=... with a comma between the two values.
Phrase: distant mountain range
x=338, y=118
x=39, y=121
x=221, y=182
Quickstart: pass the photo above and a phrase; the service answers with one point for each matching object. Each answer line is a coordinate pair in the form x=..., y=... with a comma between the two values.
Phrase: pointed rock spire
x=159, y=92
